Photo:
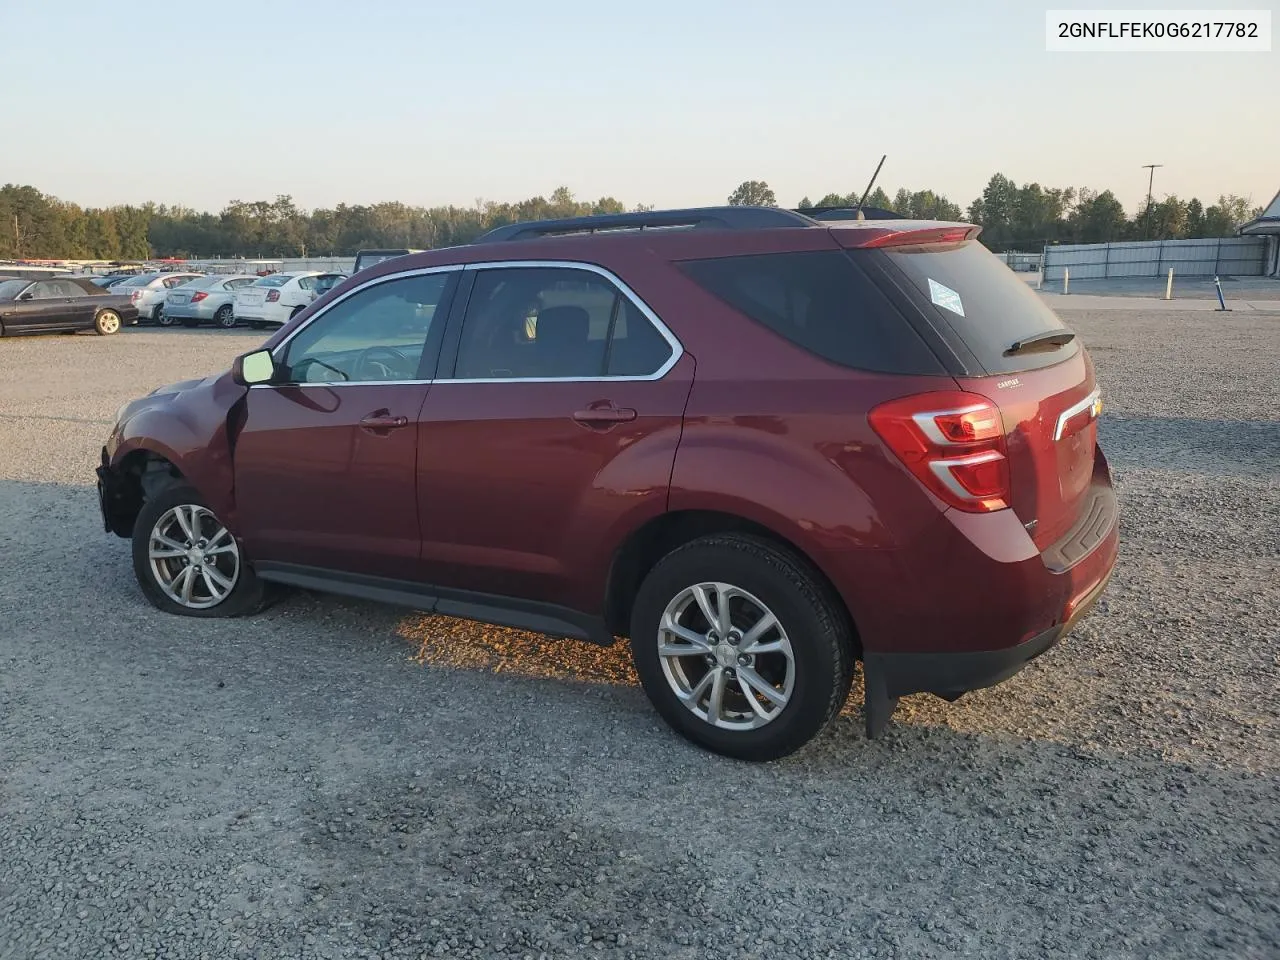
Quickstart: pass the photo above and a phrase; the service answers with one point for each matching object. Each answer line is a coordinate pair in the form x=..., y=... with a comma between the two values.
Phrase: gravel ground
x=340, y=779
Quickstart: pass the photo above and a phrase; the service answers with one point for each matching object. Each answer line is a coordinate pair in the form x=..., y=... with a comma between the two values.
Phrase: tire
x=765, y=580
x=106, y=323
x=296, y=310
x=247, y=594
x=225, y=317
x=159, y=316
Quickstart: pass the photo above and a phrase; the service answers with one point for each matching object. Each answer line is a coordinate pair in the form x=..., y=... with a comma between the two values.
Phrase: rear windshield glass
x=820, y=301
x=278, y=280
x=987, y=305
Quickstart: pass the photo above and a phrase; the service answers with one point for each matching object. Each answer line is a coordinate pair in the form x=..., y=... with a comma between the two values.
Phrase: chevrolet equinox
x=761, y=446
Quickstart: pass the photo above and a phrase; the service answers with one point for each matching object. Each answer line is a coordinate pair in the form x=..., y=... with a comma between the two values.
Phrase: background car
x=61, y=305
x=272, y=300
x=111, y=280
x=148, y=291
x=206, y=300
x=326, y=282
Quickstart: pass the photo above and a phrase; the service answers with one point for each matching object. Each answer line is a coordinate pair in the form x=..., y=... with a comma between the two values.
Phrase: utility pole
x=1150, y=180
x=17, y=238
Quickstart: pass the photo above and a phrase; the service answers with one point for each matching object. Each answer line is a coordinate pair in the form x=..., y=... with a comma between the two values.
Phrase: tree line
x=34, y=225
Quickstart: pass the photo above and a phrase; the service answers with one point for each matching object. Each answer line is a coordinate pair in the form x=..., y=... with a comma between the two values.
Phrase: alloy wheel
x=194, y=558
x=726, y=656
x=109, y=321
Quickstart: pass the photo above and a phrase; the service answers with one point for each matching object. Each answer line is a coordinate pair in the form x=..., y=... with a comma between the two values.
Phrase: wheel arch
x=656, y=538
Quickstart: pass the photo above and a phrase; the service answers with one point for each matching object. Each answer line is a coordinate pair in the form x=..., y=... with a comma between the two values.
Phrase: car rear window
x=820, y=301
x=277, y=280
x=985, y=304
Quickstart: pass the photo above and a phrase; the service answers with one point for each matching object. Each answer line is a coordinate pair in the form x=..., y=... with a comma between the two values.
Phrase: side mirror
x=256, y=367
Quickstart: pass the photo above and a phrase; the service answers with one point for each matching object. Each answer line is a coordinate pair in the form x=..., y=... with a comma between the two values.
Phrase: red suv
x=760, y=445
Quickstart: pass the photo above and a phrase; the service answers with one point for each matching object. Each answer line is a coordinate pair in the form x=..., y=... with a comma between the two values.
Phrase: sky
x=658, y=102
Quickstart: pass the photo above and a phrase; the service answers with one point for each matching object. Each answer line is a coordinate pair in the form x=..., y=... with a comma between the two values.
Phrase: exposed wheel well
x=660, y=536
x=140, y=475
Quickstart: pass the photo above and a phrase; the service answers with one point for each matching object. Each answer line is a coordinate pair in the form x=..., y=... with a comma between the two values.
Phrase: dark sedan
x=61, y=305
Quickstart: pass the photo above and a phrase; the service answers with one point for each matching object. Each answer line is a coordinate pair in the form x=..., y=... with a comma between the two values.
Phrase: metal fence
x=1020, y=261
x=1226, y=257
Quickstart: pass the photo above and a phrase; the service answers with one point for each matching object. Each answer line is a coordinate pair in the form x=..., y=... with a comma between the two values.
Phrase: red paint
x=515, y=488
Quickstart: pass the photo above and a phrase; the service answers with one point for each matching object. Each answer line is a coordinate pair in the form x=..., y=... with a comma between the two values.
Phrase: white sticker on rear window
x=945, y=297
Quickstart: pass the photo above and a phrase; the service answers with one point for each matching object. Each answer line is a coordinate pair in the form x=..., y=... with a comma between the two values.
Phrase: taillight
x=953, y=443
x=135, y=296
x=915, y=237
x=198, y=296
x=273, y=296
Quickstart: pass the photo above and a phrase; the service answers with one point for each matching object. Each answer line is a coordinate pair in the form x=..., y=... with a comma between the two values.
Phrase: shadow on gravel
x=1209, y=447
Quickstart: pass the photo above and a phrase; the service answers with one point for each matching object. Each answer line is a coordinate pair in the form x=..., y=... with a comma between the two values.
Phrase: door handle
x=383, y=421
x=593, y=416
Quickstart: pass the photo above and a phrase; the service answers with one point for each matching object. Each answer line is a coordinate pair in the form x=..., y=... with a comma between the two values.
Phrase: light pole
x=1151, y=179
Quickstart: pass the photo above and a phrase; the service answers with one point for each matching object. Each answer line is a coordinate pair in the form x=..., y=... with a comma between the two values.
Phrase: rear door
x=325, y=463
x=1019, y=355
x=552, y=426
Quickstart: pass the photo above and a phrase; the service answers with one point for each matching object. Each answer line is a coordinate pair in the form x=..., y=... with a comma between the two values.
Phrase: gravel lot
x=339, y=779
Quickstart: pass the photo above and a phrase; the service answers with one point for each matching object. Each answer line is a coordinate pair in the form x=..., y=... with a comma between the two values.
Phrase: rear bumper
x=188, y=311
x=950, y=674
x=975, y=600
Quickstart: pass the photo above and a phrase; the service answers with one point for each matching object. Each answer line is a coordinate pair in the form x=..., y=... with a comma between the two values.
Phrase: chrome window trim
x=677, y=348
x=1073, y=411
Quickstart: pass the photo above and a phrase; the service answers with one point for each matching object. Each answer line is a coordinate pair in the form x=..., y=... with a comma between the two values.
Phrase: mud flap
x=879, y=706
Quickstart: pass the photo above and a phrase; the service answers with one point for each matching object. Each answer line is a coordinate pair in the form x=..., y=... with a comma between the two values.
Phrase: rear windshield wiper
x=1048, y=340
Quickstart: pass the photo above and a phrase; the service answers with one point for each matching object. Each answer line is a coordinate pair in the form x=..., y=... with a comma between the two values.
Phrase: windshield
x=11, y=288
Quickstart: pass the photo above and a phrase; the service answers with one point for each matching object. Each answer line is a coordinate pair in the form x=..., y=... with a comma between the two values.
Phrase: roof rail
x=850, y=213
x=723, y=218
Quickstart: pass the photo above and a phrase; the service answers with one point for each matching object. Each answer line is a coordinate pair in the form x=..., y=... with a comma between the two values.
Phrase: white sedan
x=274, y=299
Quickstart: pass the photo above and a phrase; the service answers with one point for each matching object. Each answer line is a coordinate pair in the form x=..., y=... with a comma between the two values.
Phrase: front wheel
x=187, y=562
x=106, y=323
x=741, y=647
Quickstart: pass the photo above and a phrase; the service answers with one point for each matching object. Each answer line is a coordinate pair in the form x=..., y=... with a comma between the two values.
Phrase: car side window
x=307, y=283
x=47, y=290
x=237, y=283
x=554, y=323
x=386, y=332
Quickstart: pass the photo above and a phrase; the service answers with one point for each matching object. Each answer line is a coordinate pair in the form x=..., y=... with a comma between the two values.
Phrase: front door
x=555, y=429
x=325, y=463
x=47, y=307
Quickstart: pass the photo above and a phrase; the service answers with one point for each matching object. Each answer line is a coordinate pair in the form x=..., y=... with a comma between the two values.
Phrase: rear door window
x=822, y=302
x=555, y=323
x=984, y=303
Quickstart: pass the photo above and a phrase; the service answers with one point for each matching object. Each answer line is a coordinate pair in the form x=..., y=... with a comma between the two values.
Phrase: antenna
x=866, y=192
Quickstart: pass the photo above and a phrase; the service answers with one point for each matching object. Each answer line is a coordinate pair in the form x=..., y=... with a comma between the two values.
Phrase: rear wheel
x=160, y=317
x=741, y=647
x=225, y=317
x=106, y=323
x=187, y=562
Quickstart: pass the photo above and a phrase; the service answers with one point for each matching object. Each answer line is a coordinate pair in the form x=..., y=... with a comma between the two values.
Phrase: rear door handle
x=383, y=421
x=600, y=415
